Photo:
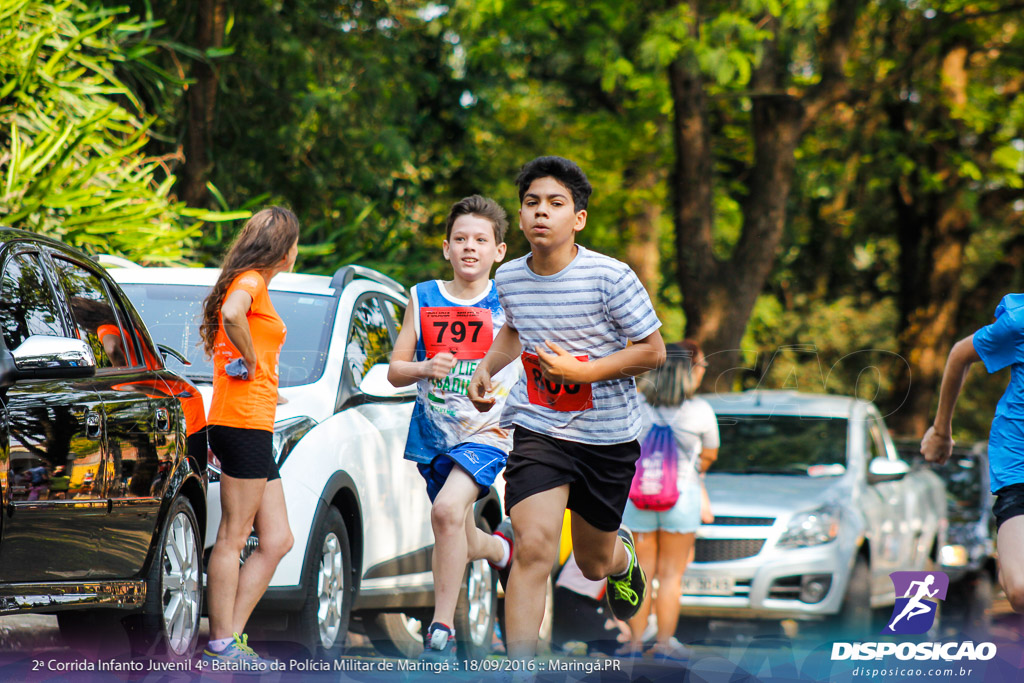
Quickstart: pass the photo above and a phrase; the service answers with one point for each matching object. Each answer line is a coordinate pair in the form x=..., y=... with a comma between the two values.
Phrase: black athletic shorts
x=244, y=453
x=1009, y=503
x=598, y=476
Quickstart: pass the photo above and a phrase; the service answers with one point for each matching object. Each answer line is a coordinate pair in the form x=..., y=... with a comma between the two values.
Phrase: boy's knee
x=594, y=568
x=446, y=517
x=533, y=549
x=1013, y=586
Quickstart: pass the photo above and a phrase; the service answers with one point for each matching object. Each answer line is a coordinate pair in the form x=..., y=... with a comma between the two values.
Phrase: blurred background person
x=665, y=539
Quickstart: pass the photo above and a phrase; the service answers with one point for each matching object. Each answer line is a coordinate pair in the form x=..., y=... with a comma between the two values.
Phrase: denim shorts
x=681, y=518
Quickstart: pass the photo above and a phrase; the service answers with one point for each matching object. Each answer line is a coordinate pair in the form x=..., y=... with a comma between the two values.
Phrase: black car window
x=172, y=315
x=396, y=313
x=27, y=304
x=94, y=316
x=781, y=444
x=369, y=340
x=875, y=443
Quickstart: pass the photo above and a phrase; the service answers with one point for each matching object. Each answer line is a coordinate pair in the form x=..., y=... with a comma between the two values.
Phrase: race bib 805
x=544, y=392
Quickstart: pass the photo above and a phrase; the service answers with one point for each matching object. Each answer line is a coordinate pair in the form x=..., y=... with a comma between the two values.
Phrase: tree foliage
x=72, y=136
x=831, y=187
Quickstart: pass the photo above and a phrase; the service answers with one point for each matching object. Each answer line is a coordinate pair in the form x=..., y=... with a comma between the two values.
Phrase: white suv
x=358, y=511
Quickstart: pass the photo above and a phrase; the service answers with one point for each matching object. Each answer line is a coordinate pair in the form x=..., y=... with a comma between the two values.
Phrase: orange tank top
x=248, y=404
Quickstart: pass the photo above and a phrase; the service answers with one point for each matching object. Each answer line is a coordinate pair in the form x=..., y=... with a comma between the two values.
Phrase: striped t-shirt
x=591, y=307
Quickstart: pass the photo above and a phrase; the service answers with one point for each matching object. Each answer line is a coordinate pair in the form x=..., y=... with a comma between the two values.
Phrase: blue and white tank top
x=444, y=416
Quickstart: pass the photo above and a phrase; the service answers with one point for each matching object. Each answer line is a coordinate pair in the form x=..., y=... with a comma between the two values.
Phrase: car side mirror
x=883, y=469
x=375, y=385
x=42, y=356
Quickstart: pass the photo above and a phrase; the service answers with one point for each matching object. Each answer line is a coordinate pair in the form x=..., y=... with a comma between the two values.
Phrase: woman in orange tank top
x=244, y=334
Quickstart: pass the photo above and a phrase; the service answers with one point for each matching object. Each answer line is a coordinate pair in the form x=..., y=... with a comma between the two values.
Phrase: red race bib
x=544, y=392
x=463, y=331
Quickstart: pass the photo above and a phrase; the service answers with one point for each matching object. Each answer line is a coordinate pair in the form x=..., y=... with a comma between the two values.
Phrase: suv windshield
x=172, y=314
x=761, y=444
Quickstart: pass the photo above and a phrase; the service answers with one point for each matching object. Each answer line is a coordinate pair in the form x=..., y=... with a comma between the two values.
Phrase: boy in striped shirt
x=570, y=312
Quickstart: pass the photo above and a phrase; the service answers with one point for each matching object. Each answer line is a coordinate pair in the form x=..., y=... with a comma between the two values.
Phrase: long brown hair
x=673, y=382
x=264, y=241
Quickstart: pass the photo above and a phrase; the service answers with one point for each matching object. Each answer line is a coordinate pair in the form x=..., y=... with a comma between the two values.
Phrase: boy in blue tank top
x=459, y=450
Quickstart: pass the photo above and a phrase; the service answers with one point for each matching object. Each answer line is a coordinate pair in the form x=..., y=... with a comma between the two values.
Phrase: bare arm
x=403, y=370
x=707, y=458
x=505, y=348
x=236, y=326
x=937, y=444
x=561, y=366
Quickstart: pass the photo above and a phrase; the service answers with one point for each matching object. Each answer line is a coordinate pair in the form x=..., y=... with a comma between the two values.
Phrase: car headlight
x=287, y=433
x=954, y=555
x=810, y=528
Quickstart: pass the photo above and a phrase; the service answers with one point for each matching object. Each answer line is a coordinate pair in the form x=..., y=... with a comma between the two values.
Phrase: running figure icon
x=916, y=588
x=915, y=607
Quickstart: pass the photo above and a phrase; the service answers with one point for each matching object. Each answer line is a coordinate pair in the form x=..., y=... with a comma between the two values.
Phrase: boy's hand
x=479, y=387
x=936, y=447
x=561, y=366
x=440, y=365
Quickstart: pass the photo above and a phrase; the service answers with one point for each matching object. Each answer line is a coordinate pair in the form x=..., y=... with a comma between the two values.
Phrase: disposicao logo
x=914, y=612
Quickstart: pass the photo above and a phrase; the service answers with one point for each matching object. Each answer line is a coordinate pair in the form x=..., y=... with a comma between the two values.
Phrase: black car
x=102, y=456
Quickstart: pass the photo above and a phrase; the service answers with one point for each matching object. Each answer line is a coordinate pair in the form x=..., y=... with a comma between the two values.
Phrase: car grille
x=725, y=549
x=743, y=521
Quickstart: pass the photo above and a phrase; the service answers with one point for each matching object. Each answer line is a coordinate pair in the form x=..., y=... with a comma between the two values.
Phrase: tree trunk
x=719, y=296
x=934, y=228
x=202, y=100
x=692, y=195
x=641, y=233
x=929, y=328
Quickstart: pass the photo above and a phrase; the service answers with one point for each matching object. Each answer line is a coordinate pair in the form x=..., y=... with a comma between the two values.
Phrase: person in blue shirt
x=999, y=345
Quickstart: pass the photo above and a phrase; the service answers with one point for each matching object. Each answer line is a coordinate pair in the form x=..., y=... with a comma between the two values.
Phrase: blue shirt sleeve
x=630, y=308
x=1000, y=344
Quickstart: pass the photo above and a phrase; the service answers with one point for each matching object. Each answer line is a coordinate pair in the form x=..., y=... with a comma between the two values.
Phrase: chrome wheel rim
x=330, y=590
x=180, y=593
x=480, y=596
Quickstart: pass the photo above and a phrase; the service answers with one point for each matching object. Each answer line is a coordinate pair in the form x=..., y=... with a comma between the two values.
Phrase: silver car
x=813, y=509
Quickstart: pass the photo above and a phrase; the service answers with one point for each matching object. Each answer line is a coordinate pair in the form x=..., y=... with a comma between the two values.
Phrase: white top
x=695, y=427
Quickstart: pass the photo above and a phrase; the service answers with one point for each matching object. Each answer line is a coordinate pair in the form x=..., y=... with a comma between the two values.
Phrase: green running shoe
x=237, y=658
x=626, y=591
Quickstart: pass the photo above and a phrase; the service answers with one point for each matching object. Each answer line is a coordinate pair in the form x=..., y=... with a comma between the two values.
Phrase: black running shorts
x=1009, y=503
x=598, y=476
x=244, y=453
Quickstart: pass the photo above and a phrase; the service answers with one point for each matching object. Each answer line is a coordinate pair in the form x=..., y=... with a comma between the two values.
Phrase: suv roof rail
x=111, y=261
x=346, y=274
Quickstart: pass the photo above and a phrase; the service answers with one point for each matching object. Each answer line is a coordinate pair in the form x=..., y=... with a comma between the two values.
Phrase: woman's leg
x=674, y=552
x=239, y=503
x=276, y=540
x=647, y=553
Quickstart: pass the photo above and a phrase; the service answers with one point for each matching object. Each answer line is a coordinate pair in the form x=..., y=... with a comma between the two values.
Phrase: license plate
x=707, y=585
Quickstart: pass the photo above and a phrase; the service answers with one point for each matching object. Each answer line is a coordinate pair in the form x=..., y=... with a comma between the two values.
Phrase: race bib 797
x=463, y=331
